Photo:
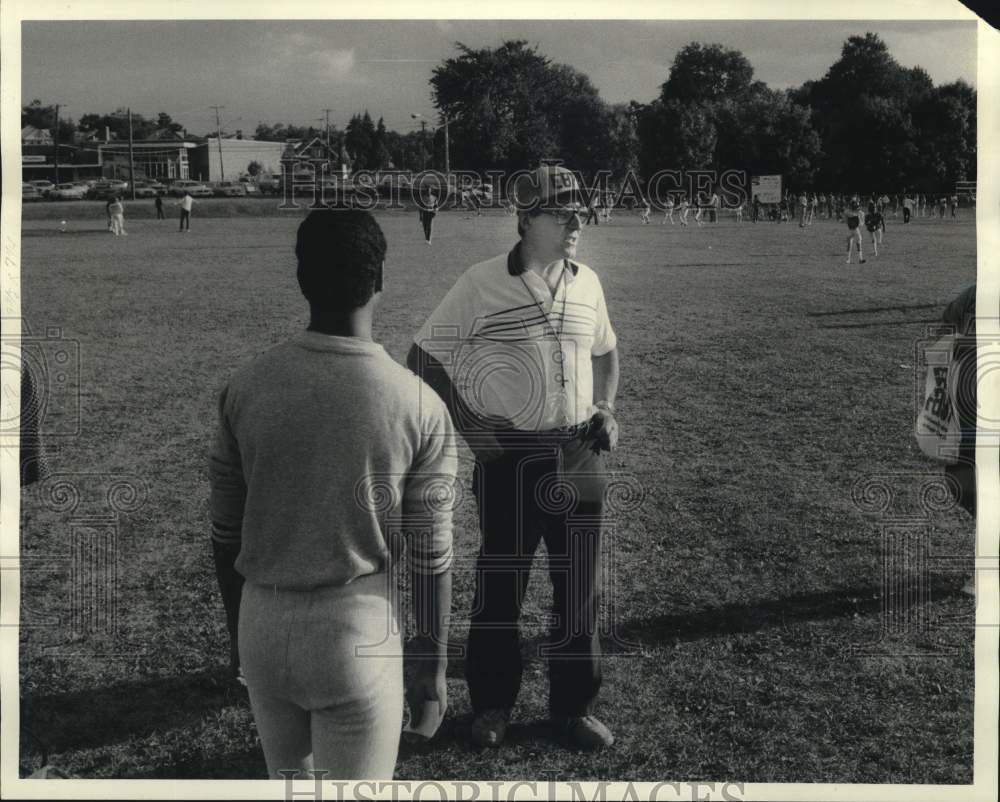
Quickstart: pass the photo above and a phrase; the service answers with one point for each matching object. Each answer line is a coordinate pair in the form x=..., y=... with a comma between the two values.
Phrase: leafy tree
x=876, y=120
x=360, y=140
x=706, y=72
x=676, y=136
x=165, y=123
x=280, y=132
x=510, y=107
x=44, y=118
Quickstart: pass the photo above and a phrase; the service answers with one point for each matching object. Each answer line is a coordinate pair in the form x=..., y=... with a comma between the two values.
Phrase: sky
x=273, y=71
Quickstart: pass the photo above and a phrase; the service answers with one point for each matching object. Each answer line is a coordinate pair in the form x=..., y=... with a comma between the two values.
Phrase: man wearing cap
x=522, y=351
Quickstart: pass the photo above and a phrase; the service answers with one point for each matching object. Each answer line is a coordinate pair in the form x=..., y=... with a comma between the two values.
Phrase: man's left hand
x=604, y=430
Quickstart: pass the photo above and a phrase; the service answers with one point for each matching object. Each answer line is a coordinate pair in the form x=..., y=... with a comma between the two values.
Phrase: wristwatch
x=606, y=405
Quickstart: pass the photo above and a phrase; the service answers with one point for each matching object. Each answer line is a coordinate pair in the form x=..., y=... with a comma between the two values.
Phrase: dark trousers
x=532, y=493
x=185, y=219
x=592, y=215
x=159, y=213
x=906, y=215
x=427, y=220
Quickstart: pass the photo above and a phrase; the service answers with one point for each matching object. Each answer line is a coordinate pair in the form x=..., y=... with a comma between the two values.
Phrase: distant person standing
x=158, y=202
x=685, y=208
x=668, y=210
x=428, y=209
x=907, y=208
x=186, y=203
x=713, y=207
x=755, y=209
x=646, y=211
x=117, y=212
x=803, y=206
x=942, y=202
x=873, y=221
x=953, y=204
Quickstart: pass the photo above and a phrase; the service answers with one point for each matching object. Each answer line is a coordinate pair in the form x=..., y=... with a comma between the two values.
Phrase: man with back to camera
x=186, y=203
x=327, y=452
x=547, y=421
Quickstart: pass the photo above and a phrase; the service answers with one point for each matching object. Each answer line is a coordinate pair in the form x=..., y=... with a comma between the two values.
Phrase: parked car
x=228, y=189
x=103, y=190
x=249, y=185
x=269, y=184
x=195, y=189
x=145, y=190
x=68, y=192
x=43, y=186
x=30, y=193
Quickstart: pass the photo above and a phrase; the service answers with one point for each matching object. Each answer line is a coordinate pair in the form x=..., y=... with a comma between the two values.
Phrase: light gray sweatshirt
x=327, y=453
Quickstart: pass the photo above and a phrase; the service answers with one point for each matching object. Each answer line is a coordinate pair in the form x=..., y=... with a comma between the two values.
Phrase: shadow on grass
x=734, y=619
x=101, y=716
x=95, y=717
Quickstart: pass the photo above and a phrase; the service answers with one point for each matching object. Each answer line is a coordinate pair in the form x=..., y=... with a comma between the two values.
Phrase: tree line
x=868, y=124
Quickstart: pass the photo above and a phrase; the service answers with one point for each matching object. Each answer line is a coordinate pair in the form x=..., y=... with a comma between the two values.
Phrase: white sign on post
x=766, y=187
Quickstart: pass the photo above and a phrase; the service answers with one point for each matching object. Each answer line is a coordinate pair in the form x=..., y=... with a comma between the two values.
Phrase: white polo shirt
x=515, y=351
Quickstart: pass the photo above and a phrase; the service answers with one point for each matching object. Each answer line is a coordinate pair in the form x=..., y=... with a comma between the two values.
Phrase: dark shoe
x=489, y=727
x=585, y=732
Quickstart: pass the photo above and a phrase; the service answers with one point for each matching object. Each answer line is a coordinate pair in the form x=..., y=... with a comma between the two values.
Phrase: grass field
x=767, y=405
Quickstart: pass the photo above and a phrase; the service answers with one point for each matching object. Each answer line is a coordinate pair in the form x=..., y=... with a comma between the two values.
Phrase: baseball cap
x=548, y=186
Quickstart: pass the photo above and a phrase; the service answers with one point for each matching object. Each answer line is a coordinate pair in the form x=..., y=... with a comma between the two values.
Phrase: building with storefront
x=162, y=159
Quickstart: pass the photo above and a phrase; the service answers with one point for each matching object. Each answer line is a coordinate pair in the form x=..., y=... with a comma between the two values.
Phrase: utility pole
x=131, y=156
x=329, y=165
x=218, y=134
x=423, y=140
x=55, y=138
x=423, y=145
x=447, y=157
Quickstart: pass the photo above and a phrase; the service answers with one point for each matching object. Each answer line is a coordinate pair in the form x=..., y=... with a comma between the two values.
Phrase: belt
x=561, y=434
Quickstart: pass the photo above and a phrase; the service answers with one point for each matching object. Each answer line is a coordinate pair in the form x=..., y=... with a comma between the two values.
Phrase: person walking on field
x=158, y=202
x=117, y=212
x=186, y=203
x=538, y=308
x=854, y=230
x=313, y=436
x=685, y=208
x=428, y=210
